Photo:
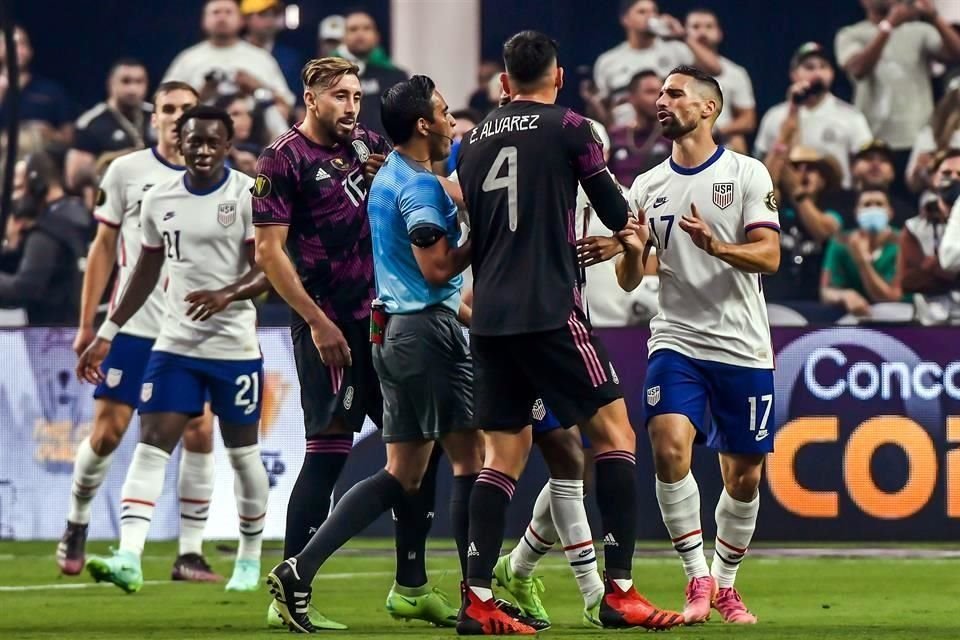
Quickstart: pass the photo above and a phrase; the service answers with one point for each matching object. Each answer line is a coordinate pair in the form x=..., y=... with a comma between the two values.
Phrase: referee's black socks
x=616, y=481
x=491, y=495
x=413, y=517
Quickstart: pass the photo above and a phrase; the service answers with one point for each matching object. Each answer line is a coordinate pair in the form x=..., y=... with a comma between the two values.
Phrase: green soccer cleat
x=433, y=607
x=525, y=591
x=591, y=614
x=122, y=569
x=275, y=621
x=246, y=576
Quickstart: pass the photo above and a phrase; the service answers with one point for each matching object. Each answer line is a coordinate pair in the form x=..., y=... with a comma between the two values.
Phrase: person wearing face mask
x=861, y=269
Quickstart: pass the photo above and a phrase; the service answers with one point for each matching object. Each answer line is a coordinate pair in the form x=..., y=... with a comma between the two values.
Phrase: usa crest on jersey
x=227, y=213
x=722, y=194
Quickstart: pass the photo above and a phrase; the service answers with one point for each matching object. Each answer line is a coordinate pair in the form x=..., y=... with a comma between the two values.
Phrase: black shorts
x=426, y=376
x=327, y=392
x=568, y=368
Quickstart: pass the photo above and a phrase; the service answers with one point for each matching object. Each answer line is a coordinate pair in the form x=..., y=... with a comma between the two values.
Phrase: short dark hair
x=626, y=5
x=125, y=62
x=639, y=77
x=173, y=85
x=403, y=104
x=467, y=114
x=942, y=156
x=205, y=112
x=703, y=77
x=357, y=9
x=705, y=11
x=527, y=56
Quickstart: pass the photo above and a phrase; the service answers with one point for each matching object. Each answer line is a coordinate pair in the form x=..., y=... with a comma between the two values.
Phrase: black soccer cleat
x=292, y=595
x=70, y=550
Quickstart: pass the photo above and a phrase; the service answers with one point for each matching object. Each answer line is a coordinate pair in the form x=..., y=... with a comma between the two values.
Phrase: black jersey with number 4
x=519, y=170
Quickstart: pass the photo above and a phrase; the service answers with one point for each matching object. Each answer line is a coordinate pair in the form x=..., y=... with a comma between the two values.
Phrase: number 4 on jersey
x=494, y=181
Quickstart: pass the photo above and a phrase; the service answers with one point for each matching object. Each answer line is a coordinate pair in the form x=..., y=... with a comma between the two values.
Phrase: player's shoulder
x=283, y=145
x=741, y=164
x=238, y=183
x=170, y=187
x=133, y=163
x=652, y=177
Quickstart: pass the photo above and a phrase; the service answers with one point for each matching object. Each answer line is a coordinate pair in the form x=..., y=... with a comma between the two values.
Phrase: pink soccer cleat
x=700, y=593
x=731, y=607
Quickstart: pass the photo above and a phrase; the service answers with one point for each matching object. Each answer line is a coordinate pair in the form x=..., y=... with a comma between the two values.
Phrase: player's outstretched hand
x=85, y=335
x=204, y=304
x=596, y=249
x=88, y=368
x=372, y=165
x=700, y=232
x=636, y=234
x=333, y=347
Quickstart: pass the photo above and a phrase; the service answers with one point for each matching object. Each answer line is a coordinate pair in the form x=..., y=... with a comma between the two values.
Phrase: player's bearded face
x=336, y=108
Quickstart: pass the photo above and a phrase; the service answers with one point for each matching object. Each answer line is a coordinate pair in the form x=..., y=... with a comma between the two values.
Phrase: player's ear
x=505, y=84
x=559, y=80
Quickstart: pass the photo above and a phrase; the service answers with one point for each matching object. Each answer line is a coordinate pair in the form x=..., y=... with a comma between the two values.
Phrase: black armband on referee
x=607, y=200
x=425, y=236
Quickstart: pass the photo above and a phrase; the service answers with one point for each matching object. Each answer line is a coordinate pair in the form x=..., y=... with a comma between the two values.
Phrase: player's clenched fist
x=699, y=231
x=333, y=347
x=88, y=368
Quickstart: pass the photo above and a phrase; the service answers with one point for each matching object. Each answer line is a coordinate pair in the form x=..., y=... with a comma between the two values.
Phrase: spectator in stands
x=638, y=144
x=874, y=168
x=264, y=20
x=811, y=115
x=224, y=65
x=654, y=41
x=329, y=37
x=247, y=135
x=122, y=121
x=44, y=104
x=48, y=233
x=480, y=100
x=888, y=57
x=738, y=119
x=918, y=267
x=860, y=269
x=803, y=182
x=466, y=119
x=361, y=45
x=942, y=133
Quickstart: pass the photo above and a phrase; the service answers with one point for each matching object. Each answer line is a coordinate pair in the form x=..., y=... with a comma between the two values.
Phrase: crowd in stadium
x=865, y=189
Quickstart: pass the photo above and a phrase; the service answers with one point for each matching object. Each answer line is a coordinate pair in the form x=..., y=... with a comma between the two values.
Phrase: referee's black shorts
x=326, y=392
x=568, y=368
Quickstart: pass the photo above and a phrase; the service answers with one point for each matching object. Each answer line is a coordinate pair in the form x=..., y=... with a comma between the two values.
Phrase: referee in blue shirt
x=420, y=351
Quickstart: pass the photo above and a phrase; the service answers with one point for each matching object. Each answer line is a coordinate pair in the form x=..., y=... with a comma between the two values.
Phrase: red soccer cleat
x=731, y=607
x=483, y=618
x=700, y=593
x=70, y=550
x=628, y=608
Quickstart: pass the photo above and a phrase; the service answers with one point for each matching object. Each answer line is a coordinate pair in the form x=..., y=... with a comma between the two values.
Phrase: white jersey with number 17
x=709, y=310
x=205, y=236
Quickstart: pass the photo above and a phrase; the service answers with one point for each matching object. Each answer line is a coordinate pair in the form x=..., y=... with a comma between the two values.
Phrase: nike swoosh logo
x=762, y=435
x=659, y=203
x=410, y=602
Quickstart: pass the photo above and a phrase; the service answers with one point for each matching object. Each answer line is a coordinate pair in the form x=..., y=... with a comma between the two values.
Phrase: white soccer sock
x=570, y=519
x=195, y=488
x=252, y=489
x=537, y=540
x=89, y=470
x=139, y=495
x=680, y=508
x=736, y=522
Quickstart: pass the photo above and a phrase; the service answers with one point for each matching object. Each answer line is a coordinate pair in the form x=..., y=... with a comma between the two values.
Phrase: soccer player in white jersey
x=200, y=225
x=712, y=216
x=118, y=243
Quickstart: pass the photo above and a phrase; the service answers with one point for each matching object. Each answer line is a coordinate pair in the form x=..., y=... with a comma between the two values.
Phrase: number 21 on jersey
x=494, y=181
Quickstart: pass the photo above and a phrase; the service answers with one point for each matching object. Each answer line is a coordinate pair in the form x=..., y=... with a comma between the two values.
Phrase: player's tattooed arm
x=204, y=303
x=760, y=254
x=142, y=283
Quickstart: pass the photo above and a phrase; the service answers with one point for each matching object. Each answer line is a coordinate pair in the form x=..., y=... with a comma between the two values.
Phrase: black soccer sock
x=460, y=516
x=491, y=495
x=616, y=481
x=413, y=517
x=358, y=509
x=310, y=499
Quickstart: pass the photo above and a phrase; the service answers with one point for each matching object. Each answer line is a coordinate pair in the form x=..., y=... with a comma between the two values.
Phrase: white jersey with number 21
x=709, y=310
x=205, y=238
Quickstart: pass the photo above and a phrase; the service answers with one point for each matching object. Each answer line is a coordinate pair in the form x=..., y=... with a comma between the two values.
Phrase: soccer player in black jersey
x=530, y=338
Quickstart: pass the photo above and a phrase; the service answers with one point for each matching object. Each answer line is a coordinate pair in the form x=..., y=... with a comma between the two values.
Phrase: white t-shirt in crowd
x=615, y=68
x=193, y=64
x=737, y=90
x=709, y=310
x=897, y=96
x=205, y=237
x=925, y=143
x=949, y=251
x=127, y=180
x=832, y=127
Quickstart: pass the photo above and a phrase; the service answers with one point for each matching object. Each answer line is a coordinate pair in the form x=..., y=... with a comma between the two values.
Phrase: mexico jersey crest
x=722, y=194
x=360, y=148
x=227, y=213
